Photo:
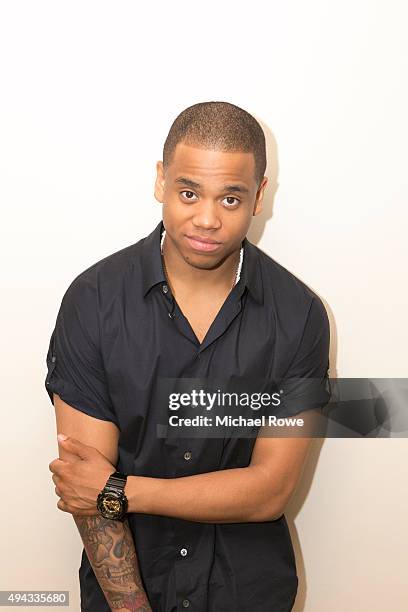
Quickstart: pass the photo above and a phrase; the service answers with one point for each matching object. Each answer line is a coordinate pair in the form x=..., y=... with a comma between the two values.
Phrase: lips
x=199, y=243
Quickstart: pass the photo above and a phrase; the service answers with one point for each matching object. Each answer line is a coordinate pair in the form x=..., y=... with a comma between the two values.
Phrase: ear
x=159, y=184
x=259, y=197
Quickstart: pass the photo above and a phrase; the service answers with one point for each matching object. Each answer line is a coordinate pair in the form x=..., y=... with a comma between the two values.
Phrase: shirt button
x=183, y=552
x=165, y=288
x=53, y=359
x=186, y=603
x=187, y=455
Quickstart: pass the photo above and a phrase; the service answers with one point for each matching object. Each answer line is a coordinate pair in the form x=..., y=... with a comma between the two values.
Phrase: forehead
x=210, y=164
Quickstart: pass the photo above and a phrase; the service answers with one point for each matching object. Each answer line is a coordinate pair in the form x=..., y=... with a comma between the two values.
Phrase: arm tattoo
x=111, y=552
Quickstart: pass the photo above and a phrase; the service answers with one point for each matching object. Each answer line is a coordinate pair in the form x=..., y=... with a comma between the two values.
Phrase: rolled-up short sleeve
x=306, y=384
x=74, y=360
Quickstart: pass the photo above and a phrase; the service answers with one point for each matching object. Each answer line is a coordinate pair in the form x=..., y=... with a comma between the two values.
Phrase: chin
x=203, y=262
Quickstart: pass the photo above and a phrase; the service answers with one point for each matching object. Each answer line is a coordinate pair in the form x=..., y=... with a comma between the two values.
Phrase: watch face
x=111, y=505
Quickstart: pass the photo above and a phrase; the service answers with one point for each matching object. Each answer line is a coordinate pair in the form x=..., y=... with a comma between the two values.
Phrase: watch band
x=116, y=481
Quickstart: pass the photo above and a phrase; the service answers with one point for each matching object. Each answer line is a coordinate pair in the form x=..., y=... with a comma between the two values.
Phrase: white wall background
x=88, y=93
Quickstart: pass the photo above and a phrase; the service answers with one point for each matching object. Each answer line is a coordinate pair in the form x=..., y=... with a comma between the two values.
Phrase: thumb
x=74, y=446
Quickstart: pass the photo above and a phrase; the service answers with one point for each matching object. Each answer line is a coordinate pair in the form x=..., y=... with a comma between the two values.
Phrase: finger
x=62, y=505
x=56, y=464
x=74, y=446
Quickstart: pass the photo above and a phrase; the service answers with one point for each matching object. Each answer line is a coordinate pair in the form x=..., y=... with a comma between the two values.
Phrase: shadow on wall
x=258, y=223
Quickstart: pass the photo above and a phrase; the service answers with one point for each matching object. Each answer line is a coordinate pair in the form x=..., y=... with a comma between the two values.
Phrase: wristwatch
x=112, y=502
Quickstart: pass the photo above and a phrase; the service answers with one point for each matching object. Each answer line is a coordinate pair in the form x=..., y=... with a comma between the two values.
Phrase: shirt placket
x=188, y=567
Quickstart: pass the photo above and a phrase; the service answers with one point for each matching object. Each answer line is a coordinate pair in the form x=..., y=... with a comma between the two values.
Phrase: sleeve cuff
x=76, y=399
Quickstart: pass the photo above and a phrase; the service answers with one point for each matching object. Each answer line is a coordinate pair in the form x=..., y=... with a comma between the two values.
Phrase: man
x=205, y=526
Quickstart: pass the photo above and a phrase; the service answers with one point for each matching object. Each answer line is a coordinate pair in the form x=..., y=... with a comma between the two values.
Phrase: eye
x=231, y=202
x=188, y=195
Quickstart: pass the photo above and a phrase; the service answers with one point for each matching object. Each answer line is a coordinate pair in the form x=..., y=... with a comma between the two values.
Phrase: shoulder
x=105, y=276
x=286, y=294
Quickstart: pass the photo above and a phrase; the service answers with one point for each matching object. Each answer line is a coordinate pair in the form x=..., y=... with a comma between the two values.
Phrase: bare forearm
x=226, y=496
x=111, y=552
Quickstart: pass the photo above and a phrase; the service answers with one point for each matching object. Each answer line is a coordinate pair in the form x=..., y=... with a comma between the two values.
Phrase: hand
x=80, y=479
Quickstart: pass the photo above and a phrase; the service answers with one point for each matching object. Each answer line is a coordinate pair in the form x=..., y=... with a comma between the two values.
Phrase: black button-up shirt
x=118, y=330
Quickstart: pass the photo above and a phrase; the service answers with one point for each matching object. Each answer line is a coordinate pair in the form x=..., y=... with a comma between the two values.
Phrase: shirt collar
x=153, y=273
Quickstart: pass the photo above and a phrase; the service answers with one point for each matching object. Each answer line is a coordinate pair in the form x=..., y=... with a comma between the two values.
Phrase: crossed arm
x=108, y=544
x=258, y=492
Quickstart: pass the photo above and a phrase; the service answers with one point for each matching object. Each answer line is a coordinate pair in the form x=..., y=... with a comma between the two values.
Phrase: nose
x=206, y=215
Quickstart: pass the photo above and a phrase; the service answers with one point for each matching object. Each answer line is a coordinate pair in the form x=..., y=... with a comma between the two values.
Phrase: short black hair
x=220, y=126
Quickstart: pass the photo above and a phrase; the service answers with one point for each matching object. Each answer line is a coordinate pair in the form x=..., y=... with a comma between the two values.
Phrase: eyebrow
x=189, y=183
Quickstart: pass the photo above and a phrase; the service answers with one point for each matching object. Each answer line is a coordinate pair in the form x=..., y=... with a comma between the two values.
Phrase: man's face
x=211, y=195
